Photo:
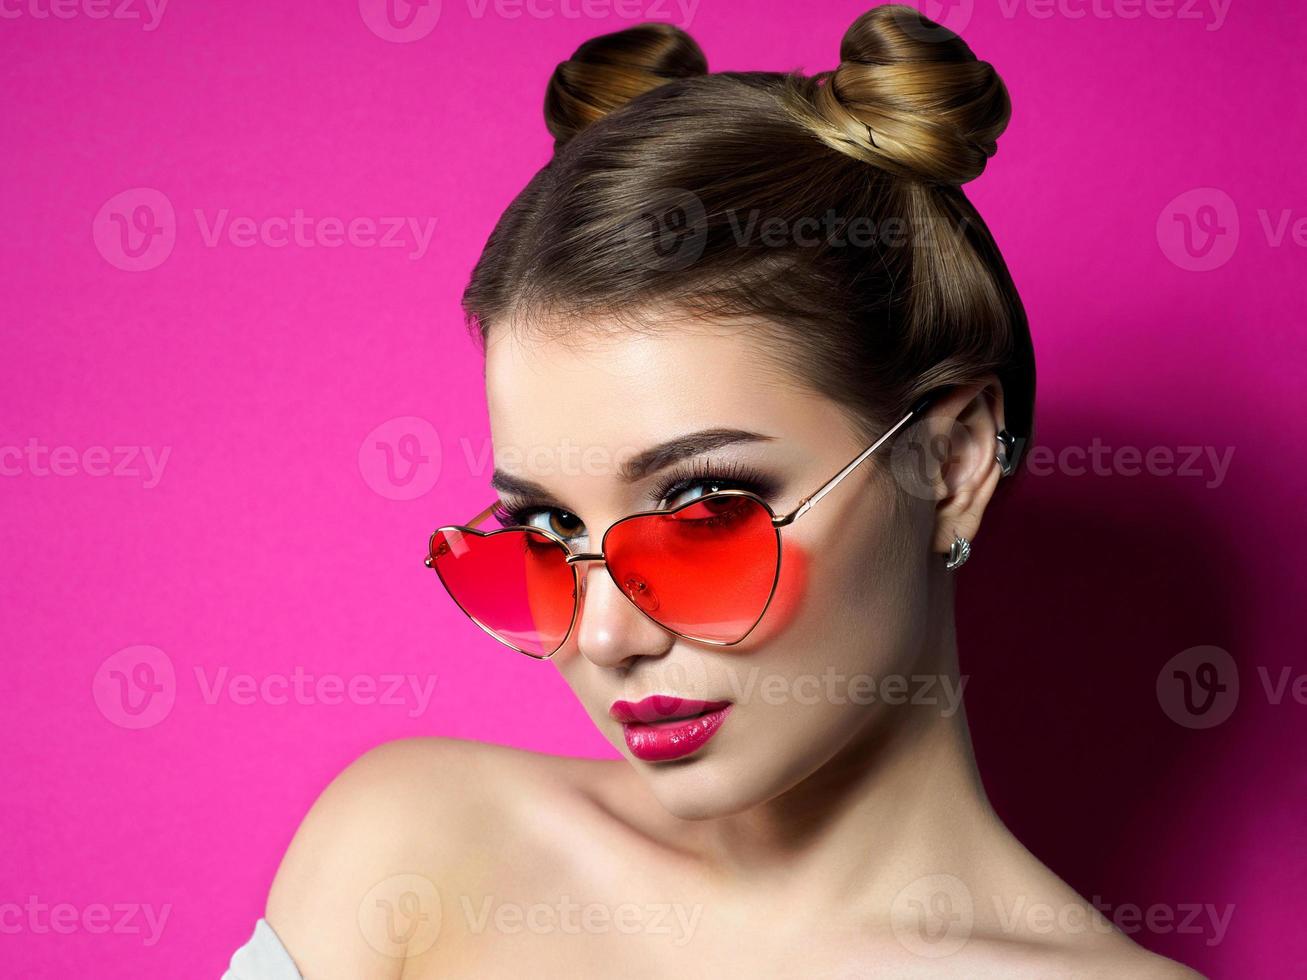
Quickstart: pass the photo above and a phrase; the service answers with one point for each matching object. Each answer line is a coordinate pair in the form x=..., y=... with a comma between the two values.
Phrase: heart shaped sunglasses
x=705, y=570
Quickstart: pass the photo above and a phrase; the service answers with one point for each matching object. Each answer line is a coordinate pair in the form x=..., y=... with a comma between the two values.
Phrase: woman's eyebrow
x=645, y=462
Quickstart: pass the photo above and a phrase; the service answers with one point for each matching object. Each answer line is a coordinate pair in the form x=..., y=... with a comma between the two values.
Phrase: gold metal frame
x=573, y=560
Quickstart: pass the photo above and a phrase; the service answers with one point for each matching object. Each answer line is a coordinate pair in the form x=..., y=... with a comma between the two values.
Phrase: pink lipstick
x=664, y=726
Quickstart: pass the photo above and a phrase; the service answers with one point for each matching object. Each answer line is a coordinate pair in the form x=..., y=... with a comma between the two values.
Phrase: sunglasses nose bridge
x=577, y=559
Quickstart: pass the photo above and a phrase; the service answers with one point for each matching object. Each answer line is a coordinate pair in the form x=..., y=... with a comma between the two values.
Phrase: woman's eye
x=569, y=527
x=693, y=491
x=558, y=522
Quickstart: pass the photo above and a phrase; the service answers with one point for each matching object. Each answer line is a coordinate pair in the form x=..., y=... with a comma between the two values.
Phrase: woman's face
x=850, y=609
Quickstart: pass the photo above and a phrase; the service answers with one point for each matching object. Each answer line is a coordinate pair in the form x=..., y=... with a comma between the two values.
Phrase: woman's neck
x=902, y=800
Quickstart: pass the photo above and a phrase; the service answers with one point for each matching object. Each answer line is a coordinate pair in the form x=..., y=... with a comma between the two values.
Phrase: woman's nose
x=611, y=631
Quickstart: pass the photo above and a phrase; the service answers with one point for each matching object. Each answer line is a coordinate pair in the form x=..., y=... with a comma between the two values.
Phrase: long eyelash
x=731, y=473
x=706, y=470
x=512, y=514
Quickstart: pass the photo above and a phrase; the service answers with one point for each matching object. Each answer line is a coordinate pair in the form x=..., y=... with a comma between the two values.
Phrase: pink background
x=276, y=538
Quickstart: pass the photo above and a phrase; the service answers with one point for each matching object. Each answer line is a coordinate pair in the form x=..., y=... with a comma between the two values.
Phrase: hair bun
x=910, y=97
x=609, y=70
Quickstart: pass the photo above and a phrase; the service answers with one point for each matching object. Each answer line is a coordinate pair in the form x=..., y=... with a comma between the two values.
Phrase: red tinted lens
x=517, y=584
x=706, y=570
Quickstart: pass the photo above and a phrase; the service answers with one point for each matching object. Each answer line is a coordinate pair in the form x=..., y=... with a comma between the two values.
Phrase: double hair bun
x=908, y=97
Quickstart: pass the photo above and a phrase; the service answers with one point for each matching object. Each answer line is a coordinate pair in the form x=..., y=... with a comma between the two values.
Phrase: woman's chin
x=702, y=788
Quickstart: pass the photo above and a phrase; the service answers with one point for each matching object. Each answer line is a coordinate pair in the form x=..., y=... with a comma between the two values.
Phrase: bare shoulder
x=1106, y=957
x=1030, y=922
x=406, y=813
x=1127, y=959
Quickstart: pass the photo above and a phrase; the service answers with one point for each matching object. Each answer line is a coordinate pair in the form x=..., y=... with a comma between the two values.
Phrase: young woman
x=796, y=370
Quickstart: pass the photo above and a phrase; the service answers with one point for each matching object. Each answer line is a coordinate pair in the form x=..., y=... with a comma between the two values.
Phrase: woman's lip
x=662, y=708
x=664, y=740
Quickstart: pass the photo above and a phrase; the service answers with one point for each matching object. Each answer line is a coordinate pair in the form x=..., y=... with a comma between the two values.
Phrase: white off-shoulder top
x=262, y=958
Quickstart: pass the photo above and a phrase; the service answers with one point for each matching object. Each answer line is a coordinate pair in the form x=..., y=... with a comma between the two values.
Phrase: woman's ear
x=961, y=433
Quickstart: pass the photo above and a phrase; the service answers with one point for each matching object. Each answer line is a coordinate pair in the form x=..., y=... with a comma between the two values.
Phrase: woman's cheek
x=788, y=602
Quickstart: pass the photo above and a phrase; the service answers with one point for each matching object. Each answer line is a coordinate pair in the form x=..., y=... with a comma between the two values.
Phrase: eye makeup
x=701, y=472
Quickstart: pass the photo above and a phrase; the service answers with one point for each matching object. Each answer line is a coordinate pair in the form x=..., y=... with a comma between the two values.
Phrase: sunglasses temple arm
x=830, y=484
x=484, y=514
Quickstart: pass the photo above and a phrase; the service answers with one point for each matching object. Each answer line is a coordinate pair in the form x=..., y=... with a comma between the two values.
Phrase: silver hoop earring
x=1007, y=458
x=959, y=551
